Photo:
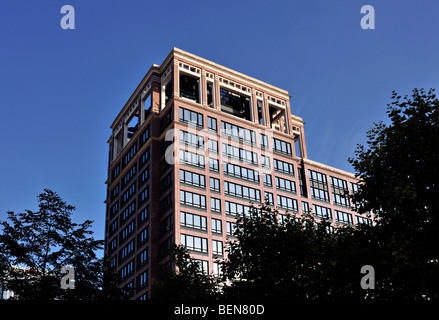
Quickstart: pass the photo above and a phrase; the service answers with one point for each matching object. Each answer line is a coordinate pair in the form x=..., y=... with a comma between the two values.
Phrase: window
x=189, y=116
x=203, y=265
x=143, y=236
x=212, y=124
x=215, y=205
x=213, y=164
x=191, y=158
x=267, y=179
x=322, y=212
x=129, y=193
x=192, y=178
x=284, y=167
x=302, y=182
x=193, y=221
x=142, y=279
x=129, y=175
x=194, y=243
x=115, y=192
x=212, y=145
x=265, y=161
x=144, y=158
x=360, y=220
x=268, y=197
x=115, y=209
x=235, y=209
x=287, y=203
x=230, y=228
x=217, y=226
x=116, y=171
x=241, y=191
x=285, y=184
x=144, y=195
x=192, y=199
x=318, y=185
x=127, y=231
x=240, y=172
x=217, y=269
x=305, y=207
x=191, y=139
x=114, y=226
x=260, y=112
x=113, y=244
x=143, y=216
x=167, y=119
x=238, y=132
x=340, y=192
x=240, y=154
x=166, y=203
x=235, y=104
x=130, y=154
x=166, y=224
x=264, y=141
x=127, y=250
x=217, y=247
x=343, y=217
x=145, y=136
x=214, y=184
x=169, y=91
x=128, y=211
x=189, y=87
x=354, y=189
x=282, y=146
x=166, y=182
x=210, y=94
x=127, y=270
x=144, y=176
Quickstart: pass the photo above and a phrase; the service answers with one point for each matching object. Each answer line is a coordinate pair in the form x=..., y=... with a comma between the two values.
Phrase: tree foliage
x=185, y=282
x=400, y=175
x=35, y=245
x=273, y=256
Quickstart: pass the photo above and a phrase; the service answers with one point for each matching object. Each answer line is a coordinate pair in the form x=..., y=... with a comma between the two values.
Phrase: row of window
x=199, y=244
x=199, y=222
x=232, y=130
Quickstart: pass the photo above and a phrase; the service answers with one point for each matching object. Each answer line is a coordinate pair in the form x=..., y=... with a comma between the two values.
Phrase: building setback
x=195, y=144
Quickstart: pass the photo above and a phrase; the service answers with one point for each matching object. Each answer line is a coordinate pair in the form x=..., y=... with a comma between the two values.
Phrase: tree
x=35, y=245
x=279, y=256
x=186, y=282
x=400, y=180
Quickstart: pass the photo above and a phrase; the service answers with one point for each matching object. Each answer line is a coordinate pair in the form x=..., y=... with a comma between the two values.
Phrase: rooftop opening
x=132, y=126
x=277, y=118
x=210, y=87
x=189, y=87
x=235, y=104
x=147, y=105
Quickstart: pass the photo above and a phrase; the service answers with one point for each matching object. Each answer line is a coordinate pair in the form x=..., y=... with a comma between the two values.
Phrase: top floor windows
x=235, y=104
x=190, y=87
x=340, y=191
x=189, y=116
x=282, y=146
x=318, y=185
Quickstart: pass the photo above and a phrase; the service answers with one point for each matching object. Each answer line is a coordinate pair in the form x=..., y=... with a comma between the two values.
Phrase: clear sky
x=60, y=89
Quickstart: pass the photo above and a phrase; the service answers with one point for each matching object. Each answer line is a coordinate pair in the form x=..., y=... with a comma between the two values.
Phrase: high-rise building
x=194, y=145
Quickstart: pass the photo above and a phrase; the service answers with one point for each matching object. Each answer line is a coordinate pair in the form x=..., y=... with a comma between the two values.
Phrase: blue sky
x=61, y=89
